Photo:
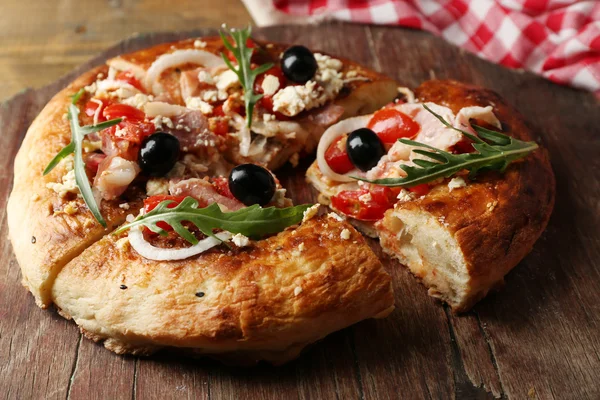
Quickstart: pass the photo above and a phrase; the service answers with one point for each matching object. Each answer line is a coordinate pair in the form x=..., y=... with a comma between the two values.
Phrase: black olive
x=364, y=148
x=158, y=154
x=252, y=184
x=298, y=64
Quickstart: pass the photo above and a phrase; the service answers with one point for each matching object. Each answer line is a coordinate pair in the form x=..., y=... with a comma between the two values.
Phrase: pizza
x=144, y=207
x=448, y=178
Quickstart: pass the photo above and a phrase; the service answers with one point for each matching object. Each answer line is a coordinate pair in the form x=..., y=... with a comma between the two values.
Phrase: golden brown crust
x=494, y=220
x=266, y=301
x=43, y=235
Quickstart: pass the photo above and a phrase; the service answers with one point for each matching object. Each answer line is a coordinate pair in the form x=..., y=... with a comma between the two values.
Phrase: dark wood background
x=537, y=338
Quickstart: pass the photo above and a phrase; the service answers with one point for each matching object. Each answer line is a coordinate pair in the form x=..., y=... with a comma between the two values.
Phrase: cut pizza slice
x=430, y=176
x=182, y=107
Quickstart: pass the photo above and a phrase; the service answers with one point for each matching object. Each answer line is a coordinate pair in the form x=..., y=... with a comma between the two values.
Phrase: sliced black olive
x=364, y=148
x=298, y=64
x=158, y=154
x=252, y=184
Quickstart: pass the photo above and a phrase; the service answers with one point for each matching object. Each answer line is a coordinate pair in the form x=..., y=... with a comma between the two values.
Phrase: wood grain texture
x=537, y=338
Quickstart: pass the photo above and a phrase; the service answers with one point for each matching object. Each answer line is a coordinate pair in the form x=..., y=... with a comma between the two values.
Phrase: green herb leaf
x=75, y=146
x=253, y=221
x=495, y=155
x=244, y=71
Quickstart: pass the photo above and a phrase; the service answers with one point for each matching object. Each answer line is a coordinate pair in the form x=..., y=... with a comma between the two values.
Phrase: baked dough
x=461, y=243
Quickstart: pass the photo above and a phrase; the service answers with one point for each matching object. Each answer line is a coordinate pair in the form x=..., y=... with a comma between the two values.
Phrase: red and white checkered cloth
x=558, y=39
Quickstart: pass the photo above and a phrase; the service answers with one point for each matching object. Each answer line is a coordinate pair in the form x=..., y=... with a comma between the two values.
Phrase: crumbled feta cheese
x=365, y=197
x=352, y=74
x=279, y=198
x=301, y=247
x=297, y=290
x=123, y=93
x=199, y=44
x=156, y=186
x=270, y=85
x=310, y=212
x=120, y=133
x=139, y=100
x=335, y=216
x=167, y=122
x=456, y=183
x=240, y=240
x=124, y=206
x=345, y=235
x=268, y=117
x=91, y=88
x=205, y=77
x=327, y=83
x=210, y=96
x=405, y=195
x=67, y=184
x=226, y=80
x=197, y=103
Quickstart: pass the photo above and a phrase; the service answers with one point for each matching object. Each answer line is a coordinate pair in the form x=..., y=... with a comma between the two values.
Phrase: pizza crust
x=263, y=302
x=461, y=243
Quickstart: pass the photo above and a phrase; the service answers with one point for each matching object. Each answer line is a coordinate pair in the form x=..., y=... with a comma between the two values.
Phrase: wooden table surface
x=40, y=41
x=537, y=338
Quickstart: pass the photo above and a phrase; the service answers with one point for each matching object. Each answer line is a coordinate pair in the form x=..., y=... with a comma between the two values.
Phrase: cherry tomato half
x=151, y=202
x=420, y=190
x=92, y=106
x=128, y=113
x=337, y=157
x=221, y=184
x=390, y=125
x=350, y=203
x=128, y=77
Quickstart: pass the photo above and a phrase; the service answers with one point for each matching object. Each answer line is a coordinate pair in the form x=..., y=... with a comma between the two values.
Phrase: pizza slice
x=173, y=116
x=449, y=181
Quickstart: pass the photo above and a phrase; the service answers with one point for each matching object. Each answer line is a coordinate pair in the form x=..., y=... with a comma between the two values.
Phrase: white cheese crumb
x=70, y=208
x=456, y=183
x=279, y=198
x=206, y=77
x=268, y=117
x=209, y=96
x=124, y=206
x=405, y=195
x=335, y=216
x=270, y=85
x=310, y=212
x=345, y=235
x=91, y=88
x=240, y=240
x=167, y=122
x=365, y=197
x=139, y=100
x=199, y=44
x=157, y=186
x=67, y=184
x=226, y=80
x=301, y=247
x=197, y=103
x=297, y=290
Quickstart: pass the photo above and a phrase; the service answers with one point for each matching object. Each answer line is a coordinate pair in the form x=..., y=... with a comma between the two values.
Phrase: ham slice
x=114, y=176
x=204, y=192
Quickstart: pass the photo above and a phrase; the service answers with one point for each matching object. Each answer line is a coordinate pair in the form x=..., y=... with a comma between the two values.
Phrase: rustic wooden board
x=537, y=338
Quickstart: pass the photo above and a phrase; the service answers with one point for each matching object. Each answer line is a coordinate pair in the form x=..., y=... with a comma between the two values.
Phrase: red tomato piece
x=221, y=127
x=128, y=77
x=91, y=107
x=464, y=146
x=267, y=101
x=349, y=202
x=337, y=157
x=249, y=44
x=420, y=190
x=221, y=184
x=128, y=113
x=390, y=125
x=151, y=202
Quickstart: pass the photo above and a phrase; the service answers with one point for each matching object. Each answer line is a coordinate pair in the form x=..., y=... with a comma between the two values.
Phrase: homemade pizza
x=450, y=181
x=144, y=207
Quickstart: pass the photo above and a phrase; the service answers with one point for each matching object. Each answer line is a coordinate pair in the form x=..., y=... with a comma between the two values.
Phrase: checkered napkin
x=558, y=39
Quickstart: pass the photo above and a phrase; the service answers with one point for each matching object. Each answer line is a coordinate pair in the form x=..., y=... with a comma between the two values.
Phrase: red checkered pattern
x=558, y=39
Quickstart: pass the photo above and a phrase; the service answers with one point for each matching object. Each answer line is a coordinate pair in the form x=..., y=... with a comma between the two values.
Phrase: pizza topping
x=114, y=176
x=310, y=212
x=364, y=204
x=337, y=157
x=178, y=57
x=66, y=186
x=298, y=64
x=364, y=148
x=205, y=192
x=252, y=184
x=240, y=240
x=158, y=154
x=270, y=84
x=456, y=182
x=345, y=235
x=391, y=124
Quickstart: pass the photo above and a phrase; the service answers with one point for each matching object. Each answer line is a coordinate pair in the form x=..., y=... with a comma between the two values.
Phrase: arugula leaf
x=75, y=146
x=253, y=221
x=495, y=155
x=244, y=71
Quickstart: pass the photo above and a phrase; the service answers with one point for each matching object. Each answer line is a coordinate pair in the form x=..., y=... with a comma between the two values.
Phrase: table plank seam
x=491, y=353
x=357, y=374
x=134, y=383
x=74, y=368
x=371, y=41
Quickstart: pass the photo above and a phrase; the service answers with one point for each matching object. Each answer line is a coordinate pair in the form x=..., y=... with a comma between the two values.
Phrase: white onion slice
x=121, y=64
x=408, y=94
x=483, y=113
x=156, y=108
x=146, y=250
x=243, y=133
x=176, y=58
x=330, y=135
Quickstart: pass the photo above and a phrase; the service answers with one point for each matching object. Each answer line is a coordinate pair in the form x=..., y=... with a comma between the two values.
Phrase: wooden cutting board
x=537, y=338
